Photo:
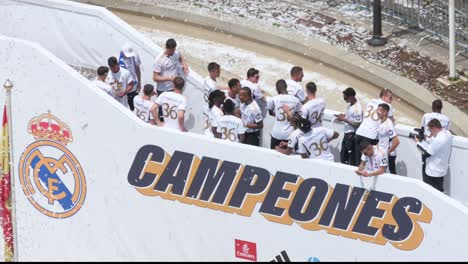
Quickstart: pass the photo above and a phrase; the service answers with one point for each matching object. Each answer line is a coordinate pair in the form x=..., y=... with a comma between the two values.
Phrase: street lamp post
x=377, y=39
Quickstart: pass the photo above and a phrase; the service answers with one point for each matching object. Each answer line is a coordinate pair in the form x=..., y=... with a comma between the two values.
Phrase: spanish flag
x=5, y=191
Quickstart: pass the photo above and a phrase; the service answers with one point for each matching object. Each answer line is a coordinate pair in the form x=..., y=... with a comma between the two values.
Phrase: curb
x=334, y=57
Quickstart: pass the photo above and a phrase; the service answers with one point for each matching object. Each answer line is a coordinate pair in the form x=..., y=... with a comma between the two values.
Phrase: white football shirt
x=166, y=66
x=171, y=104
x=236, y=100
x=252, y=114
x=281, y=127
x=230, y=127
x=293, y=140
x=385, y=134
x=427, y=117
x=295, y=89
x=105, y=87
x=209, y=85
x=119, y=82
x=143, y=108
x=313, y=110
x=370, y=124
x=353, y=113
x=315, y=143
x=254, y=88
x=377, y=160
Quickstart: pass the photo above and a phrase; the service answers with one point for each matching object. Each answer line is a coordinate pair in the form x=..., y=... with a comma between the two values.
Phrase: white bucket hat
x=128, y=50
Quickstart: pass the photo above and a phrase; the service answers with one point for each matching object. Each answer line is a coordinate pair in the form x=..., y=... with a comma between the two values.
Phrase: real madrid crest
x=50, y=175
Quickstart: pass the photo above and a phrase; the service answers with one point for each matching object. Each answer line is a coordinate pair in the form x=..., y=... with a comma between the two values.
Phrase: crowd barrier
x=97, y=183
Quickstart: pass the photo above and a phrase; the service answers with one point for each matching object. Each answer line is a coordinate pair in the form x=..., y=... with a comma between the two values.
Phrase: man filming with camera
x=436, y=149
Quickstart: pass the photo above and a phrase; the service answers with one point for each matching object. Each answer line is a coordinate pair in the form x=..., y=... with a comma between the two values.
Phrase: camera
x=419, y=134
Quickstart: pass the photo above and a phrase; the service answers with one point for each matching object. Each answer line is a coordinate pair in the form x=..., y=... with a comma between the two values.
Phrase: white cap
x=128, y=50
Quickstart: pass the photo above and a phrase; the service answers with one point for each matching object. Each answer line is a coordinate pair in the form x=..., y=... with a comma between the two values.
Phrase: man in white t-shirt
x=370, y=125
x=294, y=88
x=437, y=114
x=387, y=136
x=315, y=107
x=130, y=60
x=253, y=76
x=210, y=83
x=230, y=127
x=145, y=109
x=437, y=151
x=373, y=160
x=121, y=81
x=281, y=127
x=173, y=106
x=100, y=81
x=165, y=67
x=233, y=93
x=352, y=119
x=314, y=144
x=215, y=100
x=251, y=116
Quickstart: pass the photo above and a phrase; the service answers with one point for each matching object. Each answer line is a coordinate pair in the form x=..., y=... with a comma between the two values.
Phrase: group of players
x=236, y=112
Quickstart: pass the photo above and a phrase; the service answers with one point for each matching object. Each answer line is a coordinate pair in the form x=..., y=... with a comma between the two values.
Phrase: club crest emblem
x=50, y=175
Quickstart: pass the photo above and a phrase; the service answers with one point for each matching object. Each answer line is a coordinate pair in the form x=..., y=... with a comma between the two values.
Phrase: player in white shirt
x=294, y=88
x=315, y=106
x=173, y=106
x=233, y=93
x=209, y=83
x=145, y=109
x=130, y=60
x=253, y=76
x=215, y=100
x=291, y=147
x=230, y=127
x=281, y=127
x=314, y=144
x=436, y=113
x=165, y=67
x=121, y=80
x=388, y=138
x=373, y=160
x=352, y=119
x=251, y=116
x=369, y=127
x=437, y=151
x=100, y=81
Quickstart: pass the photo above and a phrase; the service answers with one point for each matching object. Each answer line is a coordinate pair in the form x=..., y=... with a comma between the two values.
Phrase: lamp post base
x=377, y=41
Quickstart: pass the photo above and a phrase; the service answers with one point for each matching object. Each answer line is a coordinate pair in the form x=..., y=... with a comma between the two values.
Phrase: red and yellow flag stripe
x=5, y=191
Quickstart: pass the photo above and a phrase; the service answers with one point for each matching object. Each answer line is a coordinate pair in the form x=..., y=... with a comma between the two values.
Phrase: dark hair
x=249, y=92
x=311, y=87
x=233, y=82
x=434, y=123
x=179, y=83
x=281, y=87
x=296, y=118
x=148, y=89
x=216, y=94
x=103, y=70
x=363, y=145
x=251, y=72
x=295, y=70
x=112, y=61
x=385, y=92
x=385, y=107
x=171, y=43
x=304, y=125
x=213, y=66
x=437, y=105
x=228, y=106
x=349, y=92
